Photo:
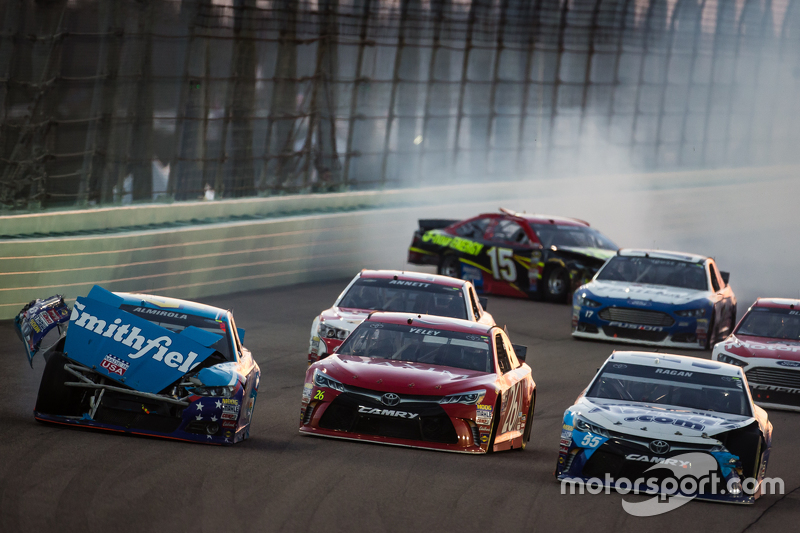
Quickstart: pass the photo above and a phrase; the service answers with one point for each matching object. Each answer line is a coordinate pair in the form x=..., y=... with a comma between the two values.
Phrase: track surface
x=62, y=479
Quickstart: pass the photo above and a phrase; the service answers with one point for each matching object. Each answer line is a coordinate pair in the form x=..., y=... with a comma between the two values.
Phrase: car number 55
x=592, y=441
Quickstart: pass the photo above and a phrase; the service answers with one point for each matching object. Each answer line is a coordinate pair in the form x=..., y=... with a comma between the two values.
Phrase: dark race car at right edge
x=766, y=344
x=513, y=254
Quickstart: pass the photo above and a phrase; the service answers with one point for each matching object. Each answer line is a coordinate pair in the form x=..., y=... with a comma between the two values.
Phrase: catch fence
x=112, y=102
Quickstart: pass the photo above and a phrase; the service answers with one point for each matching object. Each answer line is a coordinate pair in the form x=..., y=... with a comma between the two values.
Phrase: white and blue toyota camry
x=656, y=298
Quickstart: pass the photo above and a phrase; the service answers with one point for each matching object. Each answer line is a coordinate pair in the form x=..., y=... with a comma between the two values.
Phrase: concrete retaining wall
x=359, y=230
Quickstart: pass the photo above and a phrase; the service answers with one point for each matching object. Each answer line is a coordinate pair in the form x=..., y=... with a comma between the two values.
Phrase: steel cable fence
x=143, y=100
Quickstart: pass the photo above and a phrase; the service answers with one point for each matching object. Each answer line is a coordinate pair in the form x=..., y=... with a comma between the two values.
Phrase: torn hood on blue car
x=129, y=349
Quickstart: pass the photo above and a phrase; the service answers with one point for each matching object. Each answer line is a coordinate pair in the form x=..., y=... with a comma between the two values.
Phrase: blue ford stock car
x=142, y=364
x=656, y=298
x=649, y=417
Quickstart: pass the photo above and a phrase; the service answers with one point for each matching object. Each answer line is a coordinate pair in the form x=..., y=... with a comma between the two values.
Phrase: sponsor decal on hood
x=623, y=290
x=645, y=420
x=762, y=347
x=129, y=349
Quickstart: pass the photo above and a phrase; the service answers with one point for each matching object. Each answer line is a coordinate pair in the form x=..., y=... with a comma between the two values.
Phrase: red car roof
x=430, y=321
x=535, y=218
x=779, y=303
x=413, y=276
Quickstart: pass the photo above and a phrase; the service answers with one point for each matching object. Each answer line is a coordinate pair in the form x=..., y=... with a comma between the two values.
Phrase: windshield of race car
x=678, y=388
x=417, y=343
x=653, y=271
x=177, y=320
x=771, y=322
x=406, y=297
x=578, y=236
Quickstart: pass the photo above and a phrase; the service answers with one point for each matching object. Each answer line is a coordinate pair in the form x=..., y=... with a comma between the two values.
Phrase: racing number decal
x=320, y=395
x=503, y=266
x=592, y=441
x=513, y=411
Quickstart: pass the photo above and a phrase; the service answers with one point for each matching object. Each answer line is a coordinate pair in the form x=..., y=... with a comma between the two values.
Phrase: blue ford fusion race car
x=656, y=298
x=142, y=364
x=656, y=423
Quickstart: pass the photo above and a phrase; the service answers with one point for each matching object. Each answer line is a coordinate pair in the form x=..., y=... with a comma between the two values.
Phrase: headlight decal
x=467, y=398
x=692, y=313
x=321, y=380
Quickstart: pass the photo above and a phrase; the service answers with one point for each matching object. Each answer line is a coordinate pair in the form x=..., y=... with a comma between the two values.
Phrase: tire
x=711, y=336
x=54, y=397
x=450, y=266
x=526, y=433
x=495, y=424
x=555, y=284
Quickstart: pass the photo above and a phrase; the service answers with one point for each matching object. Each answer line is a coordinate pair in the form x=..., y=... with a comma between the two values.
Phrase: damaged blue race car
x=142, y=364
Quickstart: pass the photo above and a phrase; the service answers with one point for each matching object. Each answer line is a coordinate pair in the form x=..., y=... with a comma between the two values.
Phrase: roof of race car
x=162, y=302
x=413, y=276
x=538, y=218
x=430, y=321
x=675, y=362
x=662, y=254
x=780, y=303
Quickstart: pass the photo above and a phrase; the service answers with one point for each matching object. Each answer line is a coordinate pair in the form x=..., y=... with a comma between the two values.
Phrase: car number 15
x=503, y=266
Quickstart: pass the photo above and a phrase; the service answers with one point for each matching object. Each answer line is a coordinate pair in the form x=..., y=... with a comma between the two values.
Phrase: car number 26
x=503, y=266
x=592, y=441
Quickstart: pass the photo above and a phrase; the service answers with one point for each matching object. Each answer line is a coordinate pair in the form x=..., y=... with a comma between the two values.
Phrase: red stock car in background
x=514, y=254
x=392, y=290
x=425, y=382
x=766, y=344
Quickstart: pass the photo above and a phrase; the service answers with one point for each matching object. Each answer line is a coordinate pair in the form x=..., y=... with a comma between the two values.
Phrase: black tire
x=526, y=433
x=711, y=336
x=555, y=284
x=54, y=397
x=495, y=424
x=450, y=266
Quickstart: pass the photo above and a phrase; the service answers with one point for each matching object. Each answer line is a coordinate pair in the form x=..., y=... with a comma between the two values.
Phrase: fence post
x=362, y=43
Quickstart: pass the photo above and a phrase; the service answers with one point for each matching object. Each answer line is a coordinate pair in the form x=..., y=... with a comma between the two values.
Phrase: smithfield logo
x=129, y=336
x=789, y=363
x=659, y=446
x=391, y=399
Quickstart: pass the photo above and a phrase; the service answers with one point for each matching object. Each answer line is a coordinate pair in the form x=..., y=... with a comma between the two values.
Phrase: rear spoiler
x=427, y=224
x=521, y=351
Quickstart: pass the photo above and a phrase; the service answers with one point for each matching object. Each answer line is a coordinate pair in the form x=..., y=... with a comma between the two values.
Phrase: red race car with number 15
x=422, y=381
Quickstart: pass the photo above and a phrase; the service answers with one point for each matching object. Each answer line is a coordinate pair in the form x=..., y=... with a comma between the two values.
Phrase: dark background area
x=143, y=100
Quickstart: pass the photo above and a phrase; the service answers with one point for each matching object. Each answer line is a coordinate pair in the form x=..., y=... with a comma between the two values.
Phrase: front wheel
x=450, y=266
x=54, y=397
x=526, y=433
x=556, y=284
x=495, y=424
x=711, y=335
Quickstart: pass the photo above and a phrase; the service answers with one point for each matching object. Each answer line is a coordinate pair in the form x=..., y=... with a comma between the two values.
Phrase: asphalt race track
x=62, y=479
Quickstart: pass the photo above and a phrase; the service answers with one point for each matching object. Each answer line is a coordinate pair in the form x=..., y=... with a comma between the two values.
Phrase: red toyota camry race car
x=766, y=344
x=425, y=382
x=392, y=290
